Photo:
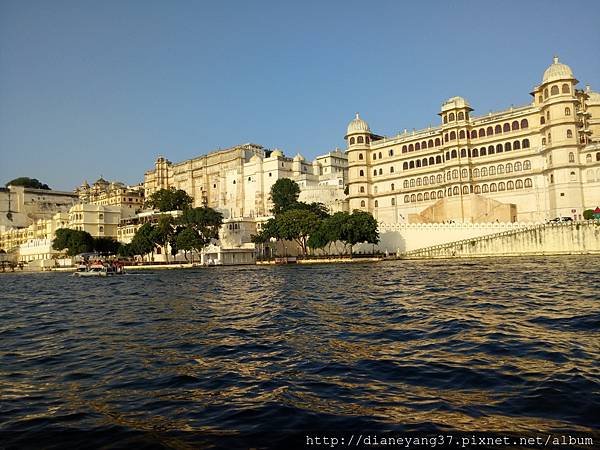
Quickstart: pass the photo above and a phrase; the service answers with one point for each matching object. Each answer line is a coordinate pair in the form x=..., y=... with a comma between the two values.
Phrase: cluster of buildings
x=529, y=163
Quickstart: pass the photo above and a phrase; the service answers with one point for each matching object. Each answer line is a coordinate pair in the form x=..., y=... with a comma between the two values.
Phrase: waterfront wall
x=544, y=239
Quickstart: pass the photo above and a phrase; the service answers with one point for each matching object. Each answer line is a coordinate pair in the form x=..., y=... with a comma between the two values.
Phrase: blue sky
x=103, y=87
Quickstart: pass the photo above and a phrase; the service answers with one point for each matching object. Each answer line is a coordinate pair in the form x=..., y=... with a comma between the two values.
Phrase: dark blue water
x=252, y=357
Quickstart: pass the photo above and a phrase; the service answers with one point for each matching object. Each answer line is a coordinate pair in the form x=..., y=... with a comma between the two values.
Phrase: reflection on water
x=205, y=358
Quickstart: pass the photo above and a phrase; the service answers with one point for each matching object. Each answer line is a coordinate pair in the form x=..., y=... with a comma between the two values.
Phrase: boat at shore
x=98, y=270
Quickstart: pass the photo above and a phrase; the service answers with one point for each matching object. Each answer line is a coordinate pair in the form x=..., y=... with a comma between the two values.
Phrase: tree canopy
x=28, y=182
x=169, y=200
x=284, y=194
x=73, y=241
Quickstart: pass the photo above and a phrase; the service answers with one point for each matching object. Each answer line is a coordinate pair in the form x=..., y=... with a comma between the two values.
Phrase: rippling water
x=241, y=357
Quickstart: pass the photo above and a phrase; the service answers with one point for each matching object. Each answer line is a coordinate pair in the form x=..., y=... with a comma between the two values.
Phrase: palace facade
x=529, y=163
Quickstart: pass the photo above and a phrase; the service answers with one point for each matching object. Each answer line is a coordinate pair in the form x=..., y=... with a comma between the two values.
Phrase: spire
x=555, y=59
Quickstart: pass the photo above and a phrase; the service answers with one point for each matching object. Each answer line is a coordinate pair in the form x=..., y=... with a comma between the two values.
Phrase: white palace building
x=524, y=164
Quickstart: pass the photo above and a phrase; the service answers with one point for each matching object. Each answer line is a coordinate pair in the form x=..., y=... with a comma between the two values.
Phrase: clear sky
x=90, y=88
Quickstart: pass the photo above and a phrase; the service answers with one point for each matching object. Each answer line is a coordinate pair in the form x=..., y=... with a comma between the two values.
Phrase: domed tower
x=592, y=112
x=358, y=137
x=560, y=140
x=456, y=140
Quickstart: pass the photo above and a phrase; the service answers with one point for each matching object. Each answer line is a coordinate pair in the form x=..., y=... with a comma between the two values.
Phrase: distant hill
x=28, y=182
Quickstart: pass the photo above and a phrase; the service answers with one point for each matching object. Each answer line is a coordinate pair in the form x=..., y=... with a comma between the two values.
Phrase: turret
x=358, y=137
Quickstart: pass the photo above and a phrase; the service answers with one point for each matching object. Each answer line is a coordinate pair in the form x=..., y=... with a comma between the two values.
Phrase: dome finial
x=357, y=116
x=555, y=59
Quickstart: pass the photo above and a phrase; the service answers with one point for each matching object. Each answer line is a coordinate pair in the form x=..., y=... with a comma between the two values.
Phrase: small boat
x=97, y=270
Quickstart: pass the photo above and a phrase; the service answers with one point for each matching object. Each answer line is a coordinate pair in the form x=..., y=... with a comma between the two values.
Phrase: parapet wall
x=544, y=239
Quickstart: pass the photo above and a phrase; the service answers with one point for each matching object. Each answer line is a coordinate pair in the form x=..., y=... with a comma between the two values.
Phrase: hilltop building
x=527, y=163
x=129, y=198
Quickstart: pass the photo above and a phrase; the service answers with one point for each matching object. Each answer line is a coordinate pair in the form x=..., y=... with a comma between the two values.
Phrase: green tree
x=189, y=240
x=28, y=182
x=318, y=208
x=143, y=240
x=73, y=241
x=297, y=225
x=163, y=232
x=284, y=194
x=106, y=245
x=360, y=226
x=126, y=251
x=205, y=221
x=169, y=200
x=588, y=214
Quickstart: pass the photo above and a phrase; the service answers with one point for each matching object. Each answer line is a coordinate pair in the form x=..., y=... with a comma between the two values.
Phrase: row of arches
x=501, y=168
x=590, y=178
x=461, y=115
x=555, y=90
x=498, y=129
x=499, y=148
x=588, y=157
x=421, y=145
x=359, y=140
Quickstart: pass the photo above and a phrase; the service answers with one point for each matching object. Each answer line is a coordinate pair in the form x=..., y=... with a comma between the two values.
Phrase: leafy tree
x=318, y=208
x=169, y=200
x=284, y=194
x=360, y=226
x=588, y=214
x=105, y=245
x=28, y=182
x=163, y=232
x=143, y=240
x=73, y=241
x=126, y=251
x=297, y=225
x=189, y=240
x=205, y=221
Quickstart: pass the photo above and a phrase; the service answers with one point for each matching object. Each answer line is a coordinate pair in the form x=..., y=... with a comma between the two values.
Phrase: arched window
x=463, y=153
x=569, y=134
x=515, y=125
x=565, y=89
x=392, y=187
x=507, y=147
x=528, y=183
x=475, y=173
x=516, y=145
x=527, y=165
x=554, y=90
x=360, y=140
x=492, y=170
x=374, y=156
x=571, y=157
x=453, y=154
x=597, y=156
x=473, y=134
x=491, y=150
x=573, y=176
x=452, y=135
x=432, y=179
x=542, y=120
x=461, y=134
x=567, y=111
x=499, y=148
x=405, y=166
x=464, y=173
x=490, y=130
x=406, y=199
x=432, y=195
x=405, y=184
x=455, y=174
x=424, y=144
x=438, y=159
x=511, y=185
x=445, y=119
x=501, y=186
x=424, y=162
x=440, y=194
x=439, y=178
x=413, y=198
x=451, y=117
x=484, y=171
x=548, y=115
x=430, y=143
x=546, y=93
x=524, y=123
x=475, y=153
x=412, y=183
x=465, y=189
x=360, y=156
x=376, y=204
x=418, y=163
x=431, y=160
x=392, y=169
x=362, y=189
x=525, y=143
x=380, y=155
x=391, y=152
x=551, y=178
x=375, y=172
x=481, y=132
x=380, y=171
x=393, y=202
x=500, y=169
x=410, y=148
x=411, y=165
x=361, y=173
x=437, y=141
x=518, y=166
x=461, y=116
x=447, y=156
x=484, y=188
x=588, y=158
x=404, y=149
x=497, y=129
x=482, y=151
x=477, y=189
x=506, y=128
x=417, y=146
x=351, y=141
x=362, y=203
x=493, y=187
x=420, y=197
x=426, y=196
x=455, y=191
x=367, y=139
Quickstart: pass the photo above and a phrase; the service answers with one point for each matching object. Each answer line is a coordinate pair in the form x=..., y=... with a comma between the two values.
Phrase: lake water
x=240, y=357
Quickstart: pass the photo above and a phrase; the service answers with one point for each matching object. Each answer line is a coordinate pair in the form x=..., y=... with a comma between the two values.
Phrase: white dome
x=455, y=102
x=557, y=71
x=593, y=97
x=298, y=157
x=277, y=154
x=357, y=125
